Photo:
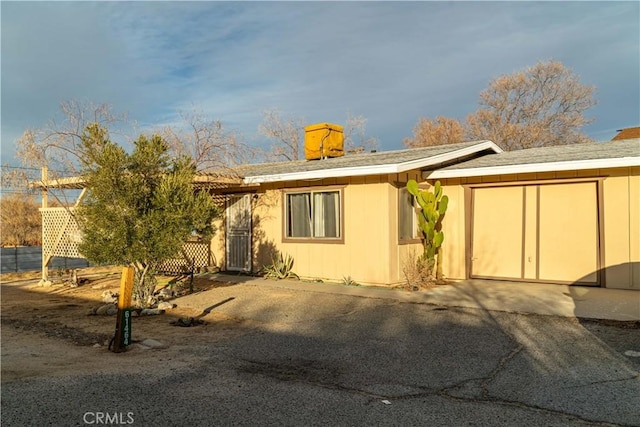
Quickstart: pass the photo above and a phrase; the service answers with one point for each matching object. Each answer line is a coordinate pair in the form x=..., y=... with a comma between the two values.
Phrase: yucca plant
x=348, y=281
x=280, y=268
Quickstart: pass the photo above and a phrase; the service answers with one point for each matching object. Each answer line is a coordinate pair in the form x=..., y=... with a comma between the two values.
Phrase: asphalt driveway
x=316, y=358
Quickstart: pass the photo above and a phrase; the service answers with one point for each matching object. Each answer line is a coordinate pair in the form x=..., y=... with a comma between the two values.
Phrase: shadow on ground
x=290, y=357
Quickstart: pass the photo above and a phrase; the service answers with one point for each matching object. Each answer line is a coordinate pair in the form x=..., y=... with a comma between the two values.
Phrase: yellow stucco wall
x=217, y=244
x=365, y=247
x=622, y=228
x=403, y=255
x=366, y=254
x=371, y=253
x=620, y=204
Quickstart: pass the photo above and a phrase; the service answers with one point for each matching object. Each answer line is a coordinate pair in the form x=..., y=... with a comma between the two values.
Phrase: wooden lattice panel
x=198, y=253
x=219, y=200
x=60, y=233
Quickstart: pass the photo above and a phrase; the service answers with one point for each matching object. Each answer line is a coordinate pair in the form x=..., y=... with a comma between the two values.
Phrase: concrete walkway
x=514, y=297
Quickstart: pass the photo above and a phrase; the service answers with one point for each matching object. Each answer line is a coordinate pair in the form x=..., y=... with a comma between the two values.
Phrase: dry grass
x=417, y=273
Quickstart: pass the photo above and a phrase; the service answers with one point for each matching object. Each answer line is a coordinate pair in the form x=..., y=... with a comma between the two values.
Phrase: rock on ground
x=165, y=306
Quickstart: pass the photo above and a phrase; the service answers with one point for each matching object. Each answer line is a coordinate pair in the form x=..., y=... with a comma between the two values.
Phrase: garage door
x=545, y=233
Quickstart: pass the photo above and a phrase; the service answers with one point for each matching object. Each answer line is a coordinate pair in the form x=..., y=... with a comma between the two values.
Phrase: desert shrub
x=281, y=267
x=418, y=272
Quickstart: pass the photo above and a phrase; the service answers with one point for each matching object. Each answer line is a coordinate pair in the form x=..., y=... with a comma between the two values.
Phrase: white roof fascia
x=452, y=155
x=536, y=167
x=320, y=174
x=375, y=169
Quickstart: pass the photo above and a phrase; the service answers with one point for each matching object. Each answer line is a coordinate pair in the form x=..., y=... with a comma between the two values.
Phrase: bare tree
x=285, y=134
x=355, y=138
x=20, y=219
x=58, y=145
x=16, y=179
x=540, y=105
x=207, y=142
x=442, y=130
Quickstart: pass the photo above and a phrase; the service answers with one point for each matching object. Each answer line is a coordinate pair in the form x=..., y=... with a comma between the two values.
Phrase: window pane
x=326, y=214
x=299, y=215
x=406, y=216
x=313, y=214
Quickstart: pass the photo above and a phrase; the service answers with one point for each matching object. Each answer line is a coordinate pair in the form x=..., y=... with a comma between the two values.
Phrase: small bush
x=417, y=272
x=348, y=281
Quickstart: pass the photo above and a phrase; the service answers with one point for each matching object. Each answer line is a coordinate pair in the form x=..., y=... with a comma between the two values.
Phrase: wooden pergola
x=61, y=233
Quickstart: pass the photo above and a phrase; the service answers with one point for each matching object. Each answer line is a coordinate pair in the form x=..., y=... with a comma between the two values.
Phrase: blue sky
x=391, y=62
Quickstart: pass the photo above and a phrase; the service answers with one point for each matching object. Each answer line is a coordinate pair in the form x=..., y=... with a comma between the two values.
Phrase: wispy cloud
x=390, y=62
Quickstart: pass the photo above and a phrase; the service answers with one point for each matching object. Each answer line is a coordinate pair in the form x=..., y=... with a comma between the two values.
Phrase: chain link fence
x=29, y=258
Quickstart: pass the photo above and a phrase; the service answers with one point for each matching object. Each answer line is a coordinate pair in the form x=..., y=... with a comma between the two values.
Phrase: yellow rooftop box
x=323, y=140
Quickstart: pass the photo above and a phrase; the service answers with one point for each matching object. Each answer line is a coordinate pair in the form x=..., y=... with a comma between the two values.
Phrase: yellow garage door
x=498, y=222
x=568, y=227
x=545, y=233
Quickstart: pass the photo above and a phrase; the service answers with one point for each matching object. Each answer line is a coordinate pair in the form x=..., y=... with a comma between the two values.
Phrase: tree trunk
x=144, y=285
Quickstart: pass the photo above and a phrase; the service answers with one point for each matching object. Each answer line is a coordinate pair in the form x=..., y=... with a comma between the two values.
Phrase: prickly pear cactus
x=433, y=205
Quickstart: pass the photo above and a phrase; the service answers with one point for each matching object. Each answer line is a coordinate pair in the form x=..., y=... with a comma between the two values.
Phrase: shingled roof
x=365, y=163
x=377, y=163
x=591, y=155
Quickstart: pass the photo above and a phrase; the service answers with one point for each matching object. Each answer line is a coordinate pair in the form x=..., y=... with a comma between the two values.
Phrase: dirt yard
x=51, y=331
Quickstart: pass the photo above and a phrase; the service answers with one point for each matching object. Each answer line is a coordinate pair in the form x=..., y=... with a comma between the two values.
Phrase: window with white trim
x=407, y=220
x=313, y=215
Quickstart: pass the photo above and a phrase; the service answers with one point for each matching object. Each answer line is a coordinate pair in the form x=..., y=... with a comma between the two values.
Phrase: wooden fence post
x=44, y=175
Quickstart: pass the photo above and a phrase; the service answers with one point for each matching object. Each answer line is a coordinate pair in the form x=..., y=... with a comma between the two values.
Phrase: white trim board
x=534, y=167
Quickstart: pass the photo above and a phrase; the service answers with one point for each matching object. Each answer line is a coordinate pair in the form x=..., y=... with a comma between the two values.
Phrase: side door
x=238, y=232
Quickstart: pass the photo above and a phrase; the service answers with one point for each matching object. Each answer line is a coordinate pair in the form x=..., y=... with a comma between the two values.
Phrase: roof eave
x=78, y=183
x=376, y=169
x=535, y=167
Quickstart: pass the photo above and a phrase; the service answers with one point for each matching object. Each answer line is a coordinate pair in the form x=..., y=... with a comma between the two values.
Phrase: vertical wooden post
x=126, y=288
x=45, y=179
x=123, y=322
x=45, y=203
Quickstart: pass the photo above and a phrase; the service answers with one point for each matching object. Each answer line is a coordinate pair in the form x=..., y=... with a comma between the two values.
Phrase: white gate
x=238, y=232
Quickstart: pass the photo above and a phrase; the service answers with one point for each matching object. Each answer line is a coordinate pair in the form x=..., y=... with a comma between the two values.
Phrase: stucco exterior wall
x=622, y=228
x=217, y=243
x=365, y=254
x=372, y=254
x=403, y=254
x=619, y=216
